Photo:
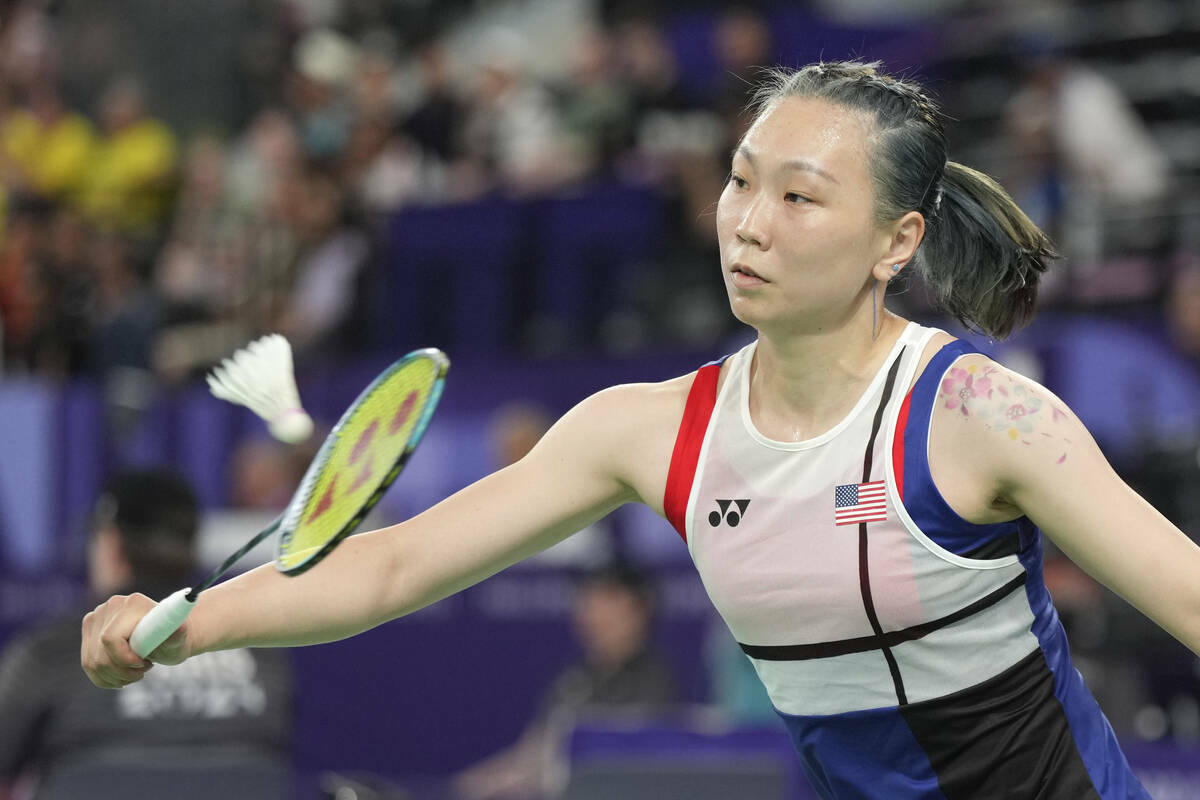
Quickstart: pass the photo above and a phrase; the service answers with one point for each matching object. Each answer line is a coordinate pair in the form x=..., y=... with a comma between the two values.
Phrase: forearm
x=1145, y=559
x=381, y=575
x=339, y=597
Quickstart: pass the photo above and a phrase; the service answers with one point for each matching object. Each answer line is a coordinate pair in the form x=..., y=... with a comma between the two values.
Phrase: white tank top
x=839, y=599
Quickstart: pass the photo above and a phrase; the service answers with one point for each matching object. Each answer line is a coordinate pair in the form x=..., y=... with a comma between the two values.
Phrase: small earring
x=895, y=267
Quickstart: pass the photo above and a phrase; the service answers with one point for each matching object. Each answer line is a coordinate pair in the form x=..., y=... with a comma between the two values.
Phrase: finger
x=91, y=656
x=117, y=677
x=119, y=627
x=85, y=640
x=117, y=651
x=128, y=675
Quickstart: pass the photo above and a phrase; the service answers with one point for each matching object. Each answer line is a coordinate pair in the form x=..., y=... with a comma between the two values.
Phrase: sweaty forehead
x=832, y=136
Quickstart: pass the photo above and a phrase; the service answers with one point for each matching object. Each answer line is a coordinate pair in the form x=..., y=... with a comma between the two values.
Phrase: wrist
x=199, y=635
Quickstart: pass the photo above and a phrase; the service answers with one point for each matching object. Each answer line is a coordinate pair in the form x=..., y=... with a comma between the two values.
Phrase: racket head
x=360, y=458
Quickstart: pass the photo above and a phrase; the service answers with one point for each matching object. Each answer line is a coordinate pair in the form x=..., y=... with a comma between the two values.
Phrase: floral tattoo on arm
x=1005, y=406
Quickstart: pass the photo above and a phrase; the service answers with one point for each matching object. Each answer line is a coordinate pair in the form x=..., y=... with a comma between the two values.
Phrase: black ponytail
x=981, y=255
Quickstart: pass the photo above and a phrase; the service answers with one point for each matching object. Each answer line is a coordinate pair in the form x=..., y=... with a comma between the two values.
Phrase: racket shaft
x=220, y=571
x=163, y=620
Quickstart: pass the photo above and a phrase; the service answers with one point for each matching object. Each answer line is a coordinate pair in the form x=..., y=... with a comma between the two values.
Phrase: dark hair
x=981, y=255
x=156, y=516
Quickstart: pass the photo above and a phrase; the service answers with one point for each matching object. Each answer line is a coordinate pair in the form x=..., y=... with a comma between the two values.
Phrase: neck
x=803, y=384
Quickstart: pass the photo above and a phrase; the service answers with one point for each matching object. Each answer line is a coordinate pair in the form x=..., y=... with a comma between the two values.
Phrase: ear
x=902, y=239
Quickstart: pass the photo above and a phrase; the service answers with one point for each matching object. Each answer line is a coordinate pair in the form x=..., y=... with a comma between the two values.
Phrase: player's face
x=798, y=240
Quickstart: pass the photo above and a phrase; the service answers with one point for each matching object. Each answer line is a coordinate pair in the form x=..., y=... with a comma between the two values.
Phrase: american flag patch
x=859, y=502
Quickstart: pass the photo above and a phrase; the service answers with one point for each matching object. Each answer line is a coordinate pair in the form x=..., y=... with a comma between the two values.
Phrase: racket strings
x=360, y=459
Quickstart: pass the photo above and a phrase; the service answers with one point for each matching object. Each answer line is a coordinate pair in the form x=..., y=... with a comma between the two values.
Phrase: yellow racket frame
x=360, y=459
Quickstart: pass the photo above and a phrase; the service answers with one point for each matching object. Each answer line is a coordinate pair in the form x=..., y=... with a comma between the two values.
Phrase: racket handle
x=163, y=620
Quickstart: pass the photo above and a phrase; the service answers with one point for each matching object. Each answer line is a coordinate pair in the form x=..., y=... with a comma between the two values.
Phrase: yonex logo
x=732, y=516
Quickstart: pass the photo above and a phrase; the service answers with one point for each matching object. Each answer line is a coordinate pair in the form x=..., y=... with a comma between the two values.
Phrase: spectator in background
x=324, y=311
x=619, y=672
x=1094, y=177
x=218, y=728
x=324, y=64
x=421, y=158
x=1090, y=123
x=203, y=272
x=513, y=131
x=45, y=147
x=63, y=290
x=435, y=123
x=200, y=271
x=385, y=165
x=129, y=183
x=126, y=318
x=264, y=171
x=261, y=158
x=595, y=105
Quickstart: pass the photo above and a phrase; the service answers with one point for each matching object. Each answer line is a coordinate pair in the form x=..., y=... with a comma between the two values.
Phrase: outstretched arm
x=606, y=451
x=1034, y=454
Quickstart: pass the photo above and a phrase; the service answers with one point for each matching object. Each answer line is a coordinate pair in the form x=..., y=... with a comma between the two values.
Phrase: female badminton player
x=863, y=497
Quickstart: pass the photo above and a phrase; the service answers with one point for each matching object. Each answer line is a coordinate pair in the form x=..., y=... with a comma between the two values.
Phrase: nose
x=752, y=229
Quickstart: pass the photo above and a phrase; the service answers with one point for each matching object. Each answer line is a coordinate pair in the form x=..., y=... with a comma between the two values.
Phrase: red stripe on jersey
x=898, y=445
x=696, y=414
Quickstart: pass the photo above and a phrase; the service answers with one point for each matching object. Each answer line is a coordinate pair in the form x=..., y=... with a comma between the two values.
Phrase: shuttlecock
x=260, y=377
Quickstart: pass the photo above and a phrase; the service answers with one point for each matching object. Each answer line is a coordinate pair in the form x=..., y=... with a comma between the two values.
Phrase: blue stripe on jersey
x=1094, y=737
x=922, y=499
x=719, y=362
x=842, y=754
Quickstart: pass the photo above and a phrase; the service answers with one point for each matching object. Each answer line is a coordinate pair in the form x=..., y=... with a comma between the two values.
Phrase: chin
x=748, y=311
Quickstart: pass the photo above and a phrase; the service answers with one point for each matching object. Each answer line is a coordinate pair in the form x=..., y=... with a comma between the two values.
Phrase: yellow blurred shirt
x=54, y=159
x=127, y=185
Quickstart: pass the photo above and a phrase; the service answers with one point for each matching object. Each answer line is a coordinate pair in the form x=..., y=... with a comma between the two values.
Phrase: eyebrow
x=794, y=163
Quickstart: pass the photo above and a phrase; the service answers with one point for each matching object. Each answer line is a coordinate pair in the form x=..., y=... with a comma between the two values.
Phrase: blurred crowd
x=130, y=244
x=155, y=218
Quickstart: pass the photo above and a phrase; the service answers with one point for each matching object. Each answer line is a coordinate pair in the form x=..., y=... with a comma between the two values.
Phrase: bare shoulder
x=990, y=424
x=631, y=429
x=995, y=403
x=936, y=343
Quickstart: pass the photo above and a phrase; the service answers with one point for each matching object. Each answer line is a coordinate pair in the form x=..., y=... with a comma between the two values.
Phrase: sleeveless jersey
x=911, y=653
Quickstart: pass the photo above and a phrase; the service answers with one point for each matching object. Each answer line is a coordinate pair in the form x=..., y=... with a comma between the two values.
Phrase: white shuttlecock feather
x=260, y=377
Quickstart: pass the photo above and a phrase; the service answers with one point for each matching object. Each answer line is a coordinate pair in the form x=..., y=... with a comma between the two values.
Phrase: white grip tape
x=163, y=620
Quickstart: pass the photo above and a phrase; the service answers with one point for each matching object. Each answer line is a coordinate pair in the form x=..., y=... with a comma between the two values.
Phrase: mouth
x=742, y=269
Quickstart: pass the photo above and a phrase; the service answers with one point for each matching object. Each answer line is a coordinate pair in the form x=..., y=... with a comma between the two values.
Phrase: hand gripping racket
x=356, y=464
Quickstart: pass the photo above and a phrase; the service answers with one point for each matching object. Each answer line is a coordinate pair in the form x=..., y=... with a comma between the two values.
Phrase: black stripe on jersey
x=1005, y=737
x=861, y=644
x=887, y=395
x=1007, y=545
x=864, y=575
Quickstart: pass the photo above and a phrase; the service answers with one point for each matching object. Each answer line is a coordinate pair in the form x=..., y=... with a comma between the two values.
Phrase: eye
x=738, y=180
x=793, y=197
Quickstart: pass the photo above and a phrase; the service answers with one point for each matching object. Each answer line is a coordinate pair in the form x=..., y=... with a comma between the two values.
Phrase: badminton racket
x=359, y=460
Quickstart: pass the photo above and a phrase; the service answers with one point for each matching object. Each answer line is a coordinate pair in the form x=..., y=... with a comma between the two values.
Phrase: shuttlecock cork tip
x=292, y=426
